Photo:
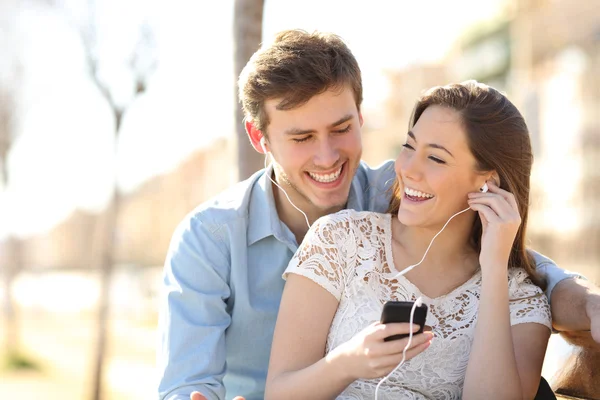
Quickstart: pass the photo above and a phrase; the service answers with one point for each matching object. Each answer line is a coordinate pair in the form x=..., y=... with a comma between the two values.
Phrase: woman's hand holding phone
x=367, y=355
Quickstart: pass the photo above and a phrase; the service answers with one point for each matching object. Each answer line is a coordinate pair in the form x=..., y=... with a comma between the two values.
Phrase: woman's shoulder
x=518, y=275
x=520, y=285
x=348, y=226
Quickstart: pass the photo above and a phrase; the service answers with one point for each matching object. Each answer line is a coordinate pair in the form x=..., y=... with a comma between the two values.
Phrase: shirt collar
x=263, y=220
x=355, y=196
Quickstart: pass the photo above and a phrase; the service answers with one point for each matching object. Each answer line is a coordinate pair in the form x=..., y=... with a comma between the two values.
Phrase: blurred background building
x=72, y=74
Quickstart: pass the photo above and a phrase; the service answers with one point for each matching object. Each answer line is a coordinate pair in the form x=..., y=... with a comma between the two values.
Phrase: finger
x=396, y=328
x=391, y=361
x=498, y=203
x=508, y=196
x=397, y=346
x=197, y=396
x=415, y=351
x=238, y=398
x=487, y=212
x=501, y=208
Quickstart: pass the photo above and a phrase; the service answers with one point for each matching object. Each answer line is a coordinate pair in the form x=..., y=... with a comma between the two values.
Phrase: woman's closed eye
x=432, y=158
x=437, y=160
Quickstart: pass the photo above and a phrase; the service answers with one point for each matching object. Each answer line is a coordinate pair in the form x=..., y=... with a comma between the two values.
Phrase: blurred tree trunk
x=104, y=258
x=11, y=245
x=105, y=255
x=106, y=237
x=247, y=36
x=12, y=265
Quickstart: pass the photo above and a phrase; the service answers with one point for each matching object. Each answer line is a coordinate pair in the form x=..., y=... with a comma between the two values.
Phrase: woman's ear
x=496, y=178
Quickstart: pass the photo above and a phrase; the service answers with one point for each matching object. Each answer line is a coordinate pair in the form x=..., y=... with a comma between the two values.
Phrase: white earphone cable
x=410, y=267
x=284, y=192
x=416, y=304
x=404, y=271
x=410, y=336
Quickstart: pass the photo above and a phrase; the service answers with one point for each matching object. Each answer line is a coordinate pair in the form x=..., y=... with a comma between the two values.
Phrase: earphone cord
x=407, y=269
x=410, y=267
x=416, y=304
x=410, y=336
x=286, y=195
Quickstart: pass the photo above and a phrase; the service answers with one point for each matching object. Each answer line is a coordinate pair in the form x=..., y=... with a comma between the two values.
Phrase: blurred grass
x=60, y=347
x=18, y=361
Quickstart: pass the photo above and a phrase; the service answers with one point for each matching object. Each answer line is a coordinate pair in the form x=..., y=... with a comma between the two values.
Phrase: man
x=222, y=280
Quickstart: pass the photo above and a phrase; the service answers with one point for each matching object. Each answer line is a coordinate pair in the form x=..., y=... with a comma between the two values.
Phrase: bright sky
x=62, y=158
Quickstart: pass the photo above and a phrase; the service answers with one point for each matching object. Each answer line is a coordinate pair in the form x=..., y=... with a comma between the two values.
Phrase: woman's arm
x=297, y=355
x=505, y=361
x=299, y=369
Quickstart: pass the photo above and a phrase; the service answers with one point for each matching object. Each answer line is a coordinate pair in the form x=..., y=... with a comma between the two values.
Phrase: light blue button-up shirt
x=223, y=284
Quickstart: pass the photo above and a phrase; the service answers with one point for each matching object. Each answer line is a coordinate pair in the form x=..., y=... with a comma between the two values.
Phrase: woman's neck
x=452, y=247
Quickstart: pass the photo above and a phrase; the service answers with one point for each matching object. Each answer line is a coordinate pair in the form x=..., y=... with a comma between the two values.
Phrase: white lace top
x=350, y=255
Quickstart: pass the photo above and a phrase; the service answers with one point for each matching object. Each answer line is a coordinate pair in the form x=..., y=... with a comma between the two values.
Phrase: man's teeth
x=416, y=193
x=326, y=178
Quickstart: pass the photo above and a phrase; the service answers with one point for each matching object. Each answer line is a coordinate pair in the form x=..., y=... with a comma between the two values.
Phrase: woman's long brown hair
x=498, y=138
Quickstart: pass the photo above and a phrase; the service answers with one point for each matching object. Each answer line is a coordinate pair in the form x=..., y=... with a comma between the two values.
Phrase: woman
x=489, y=333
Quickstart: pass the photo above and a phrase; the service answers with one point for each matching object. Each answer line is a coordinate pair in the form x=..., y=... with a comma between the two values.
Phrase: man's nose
x=327, y=154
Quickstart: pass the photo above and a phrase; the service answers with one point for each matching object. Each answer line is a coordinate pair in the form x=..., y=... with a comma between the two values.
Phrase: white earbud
x=263, y=145
x=484, y=188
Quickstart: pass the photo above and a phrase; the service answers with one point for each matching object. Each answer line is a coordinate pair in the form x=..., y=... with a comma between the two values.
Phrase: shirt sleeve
x=551, y=272
x=322, y=254
x=527, y=301
x=193, y=316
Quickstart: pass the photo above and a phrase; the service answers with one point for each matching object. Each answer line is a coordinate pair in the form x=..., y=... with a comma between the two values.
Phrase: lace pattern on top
x=347, y=254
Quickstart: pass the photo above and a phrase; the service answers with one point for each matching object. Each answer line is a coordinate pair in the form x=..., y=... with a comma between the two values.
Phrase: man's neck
x=293, y=218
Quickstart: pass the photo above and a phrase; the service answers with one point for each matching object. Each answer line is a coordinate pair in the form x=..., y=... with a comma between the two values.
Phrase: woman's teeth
x=416, y=193
x=326, y=178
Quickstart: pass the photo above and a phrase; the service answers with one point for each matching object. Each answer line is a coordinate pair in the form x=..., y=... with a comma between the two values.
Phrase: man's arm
x=575, y=302
x=576, y=307
x=193, y=315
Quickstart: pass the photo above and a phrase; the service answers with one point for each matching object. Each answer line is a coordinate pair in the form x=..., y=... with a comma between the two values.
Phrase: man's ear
x=255, y=135
x=361, y=121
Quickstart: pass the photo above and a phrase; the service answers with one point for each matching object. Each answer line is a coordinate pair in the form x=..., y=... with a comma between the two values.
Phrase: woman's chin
x=409, y=219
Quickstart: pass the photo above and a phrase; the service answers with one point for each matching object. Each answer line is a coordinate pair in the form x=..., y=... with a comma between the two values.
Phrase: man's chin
x=331, y=207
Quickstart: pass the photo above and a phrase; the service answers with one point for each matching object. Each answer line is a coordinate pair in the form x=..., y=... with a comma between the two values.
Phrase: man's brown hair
x=295, y=67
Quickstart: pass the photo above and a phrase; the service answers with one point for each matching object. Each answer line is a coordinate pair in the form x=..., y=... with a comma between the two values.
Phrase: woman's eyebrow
x=434, y=145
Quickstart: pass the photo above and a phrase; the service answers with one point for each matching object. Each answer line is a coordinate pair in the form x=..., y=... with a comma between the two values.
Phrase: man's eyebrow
x=434, y=145
x=340, y=121
x=298, y=131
